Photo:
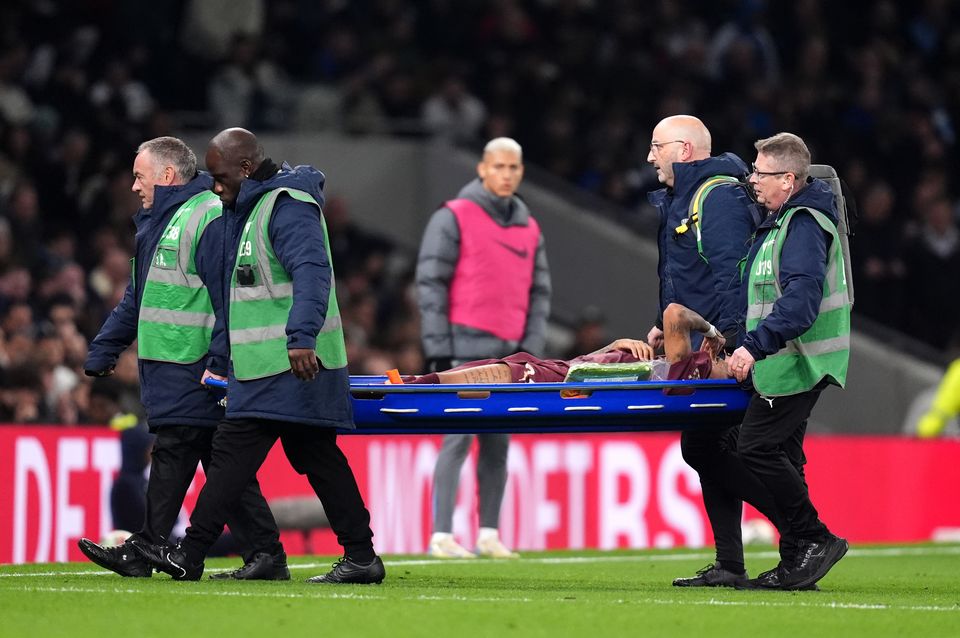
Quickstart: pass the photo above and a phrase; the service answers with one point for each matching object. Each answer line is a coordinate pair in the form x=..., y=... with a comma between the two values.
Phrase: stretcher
x=597, y=406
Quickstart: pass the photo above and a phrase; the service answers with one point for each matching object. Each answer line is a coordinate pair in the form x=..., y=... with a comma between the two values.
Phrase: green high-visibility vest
x=823, y=351
x=176, y=315
x=261, y=296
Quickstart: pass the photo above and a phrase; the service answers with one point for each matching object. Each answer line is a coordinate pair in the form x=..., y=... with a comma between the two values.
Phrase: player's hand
x=303, y=363
x=741, y=362
x=637, y=348
x=655, y=338
x=713, y=345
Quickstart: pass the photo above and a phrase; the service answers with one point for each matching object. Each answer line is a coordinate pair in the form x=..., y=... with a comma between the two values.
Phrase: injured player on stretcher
x=680, y=361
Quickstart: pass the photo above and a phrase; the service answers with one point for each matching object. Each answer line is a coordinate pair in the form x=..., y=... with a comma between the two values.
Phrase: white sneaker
x=443, y=546
x=493, y=548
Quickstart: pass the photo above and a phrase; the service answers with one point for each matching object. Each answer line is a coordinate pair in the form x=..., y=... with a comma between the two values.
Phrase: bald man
x=706, y=221
x=287, y=374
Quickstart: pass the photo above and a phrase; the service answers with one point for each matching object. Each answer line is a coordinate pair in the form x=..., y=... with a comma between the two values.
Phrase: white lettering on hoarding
x=517, y=520
x=556, y=491
x=623, y=516
x=30, y=460
x=465, y=513
x=106, y=460
x=678, y=512
x=399, y=480
x=71, y=456
x=45, y=517
x=578, y=461
x=546, y=461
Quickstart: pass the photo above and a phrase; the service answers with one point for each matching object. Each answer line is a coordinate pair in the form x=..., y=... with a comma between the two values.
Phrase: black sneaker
x=262, y=566
x=169, y=560
x=814, y=560
x=772, y=579
x=122, y=559
x=713, y=575
x=347, y=572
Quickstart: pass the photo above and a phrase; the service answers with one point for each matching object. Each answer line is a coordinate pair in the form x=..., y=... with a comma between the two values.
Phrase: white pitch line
x=349, y=596
x=867, y=552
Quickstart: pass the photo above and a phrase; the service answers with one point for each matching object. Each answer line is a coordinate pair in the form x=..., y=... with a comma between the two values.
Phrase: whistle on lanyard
x=686, y=224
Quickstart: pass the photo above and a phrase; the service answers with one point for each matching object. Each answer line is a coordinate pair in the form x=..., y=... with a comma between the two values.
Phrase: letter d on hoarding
x=31, y=460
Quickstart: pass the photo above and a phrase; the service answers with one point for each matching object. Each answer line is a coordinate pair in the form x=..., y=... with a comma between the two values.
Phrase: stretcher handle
x=215, y=383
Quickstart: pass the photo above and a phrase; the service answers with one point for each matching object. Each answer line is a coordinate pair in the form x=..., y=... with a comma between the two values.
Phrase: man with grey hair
x=797, y=343
x=173, y=308
x=483, y=287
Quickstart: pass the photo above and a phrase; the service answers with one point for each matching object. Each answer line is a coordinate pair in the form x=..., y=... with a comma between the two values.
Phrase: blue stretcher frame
x=640, y=406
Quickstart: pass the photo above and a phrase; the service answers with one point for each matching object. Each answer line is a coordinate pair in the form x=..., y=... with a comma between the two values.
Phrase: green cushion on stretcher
x=636, y=371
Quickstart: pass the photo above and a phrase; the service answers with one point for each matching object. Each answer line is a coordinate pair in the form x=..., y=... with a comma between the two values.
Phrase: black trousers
x=726, y=482
x=771, y=446
x=240, y=448
x=176, y=452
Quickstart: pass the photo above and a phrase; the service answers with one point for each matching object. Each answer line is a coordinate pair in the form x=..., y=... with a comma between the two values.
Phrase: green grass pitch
x=874, y=591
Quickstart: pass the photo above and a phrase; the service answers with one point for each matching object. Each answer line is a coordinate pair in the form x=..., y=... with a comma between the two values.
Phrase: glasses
x=656, y=146
x=759, y=173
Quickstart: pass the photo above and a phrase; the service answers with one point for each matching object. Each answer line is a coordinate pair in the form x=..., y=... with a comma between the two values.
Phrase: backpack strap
x=694, y=218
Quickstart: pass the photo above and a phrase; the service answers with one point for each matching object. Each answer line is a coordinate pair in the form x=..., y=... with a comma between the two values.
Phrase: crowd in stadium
x=873, y=87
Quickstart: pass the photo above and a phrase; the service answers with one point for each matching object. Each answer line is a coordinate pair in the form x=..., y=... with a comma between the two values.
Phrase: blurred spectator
x=932, y=284
x=21, y=396
x=743, y=49
x=71, y=164
x=25, y=223
x=15, y=104
x=249, y=89
x=58, y=380
x=878, y=266
x=452, y=113
x=127, y=97
x=110, y=277
x=6, y=245
x=210, y=25
x=18, y=320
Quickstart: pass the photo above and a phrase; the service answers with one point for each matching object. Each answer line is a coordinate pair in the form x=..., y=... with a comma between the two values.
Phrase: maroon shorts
x=526, y=368
x=696, y=365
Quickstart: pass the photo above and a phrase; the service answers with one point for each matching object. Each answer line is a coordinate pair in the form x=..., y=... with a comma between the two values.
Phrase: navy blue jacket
x=803, y=266
x=297, y=237
x=711, y=287
x=171, y=392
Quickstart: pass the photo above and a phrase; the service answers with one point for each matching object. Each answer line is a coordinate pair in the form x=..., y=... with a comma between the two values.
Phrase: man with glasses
x=797, y=342
x=706, y=220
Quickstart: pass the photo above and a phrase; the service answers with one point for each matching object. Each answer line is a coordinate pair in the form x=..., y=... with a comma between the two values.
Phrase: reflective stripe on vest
x=695, y=218
x=176, y=315
x=261, y=296
x=823, y=351
x=490, y=290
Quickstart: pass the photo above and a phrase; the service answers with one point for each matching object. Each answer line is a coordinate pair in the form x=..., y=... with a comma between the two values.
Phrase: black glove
x=439, y=364
x=99, y=373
